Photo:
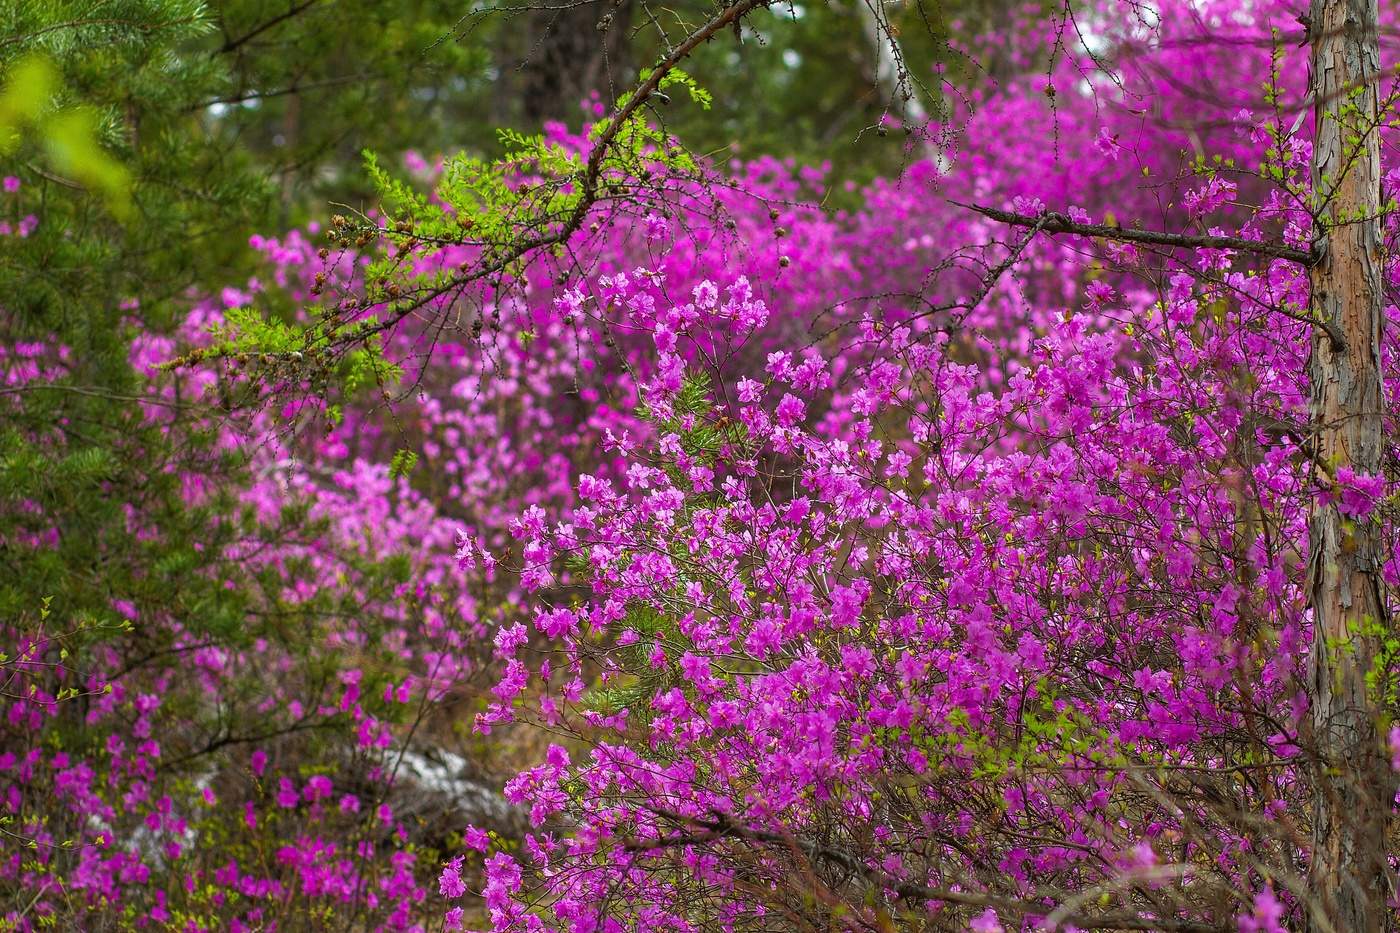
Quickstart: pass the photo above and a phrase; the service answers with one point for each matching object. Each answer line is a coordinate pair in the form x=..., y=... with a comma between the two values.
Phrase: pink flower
x=318, y=787
x=790, y=411
x=986, y=922
x=1107, y=144
x=1267, y=915
x=450, y=884
x=287, y=796
x=1360, y=492
x=478, y=839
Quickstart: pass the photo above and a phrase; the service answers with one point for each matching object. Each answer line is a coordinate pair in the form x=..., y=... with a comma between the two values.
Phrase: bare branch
x=721, y=826
x=1052, y=222
x=234, y=44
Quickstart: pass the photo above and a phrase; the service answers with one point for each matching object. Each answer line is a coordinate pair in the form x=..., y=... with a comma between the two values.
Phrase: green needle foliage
x=150, y=138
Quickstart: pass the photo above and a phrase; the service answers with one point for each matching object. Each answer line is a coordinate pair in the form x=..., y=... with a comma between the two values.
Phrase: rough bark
x=1353, y=783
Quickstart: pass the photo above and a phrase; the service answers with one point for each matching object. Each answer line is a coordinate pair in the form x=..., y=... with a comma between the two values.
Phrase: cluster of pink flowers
x=940, y=597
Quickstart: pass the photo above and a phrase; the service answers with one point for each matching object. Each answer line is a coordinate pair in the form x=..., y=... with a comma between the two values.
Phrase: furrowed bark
x=1353, y=782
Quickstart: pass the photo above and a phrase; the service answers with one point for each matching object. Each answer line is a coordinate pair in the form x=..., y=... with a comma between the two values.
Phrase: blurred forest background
x=258, y=111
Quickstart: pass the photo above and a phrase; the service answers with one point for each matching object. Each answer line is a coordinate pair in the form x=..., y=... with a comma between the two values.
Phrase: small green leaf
x=403, y=462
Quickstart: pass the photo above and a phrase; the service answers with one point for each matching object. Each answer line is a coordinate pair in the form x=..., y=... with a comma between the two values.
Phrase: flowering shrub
x=958, y=609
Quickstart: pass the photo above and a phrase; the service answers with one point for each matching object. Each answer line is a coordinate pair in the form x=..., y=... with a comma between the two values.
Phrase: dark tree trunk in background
x=568, y=52
x=1353, y=781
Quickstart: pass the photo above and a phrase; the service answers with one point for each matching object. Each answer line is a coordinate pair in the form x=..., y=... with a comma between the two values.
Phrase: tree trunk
x=573, y=49
x=1353, y=782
